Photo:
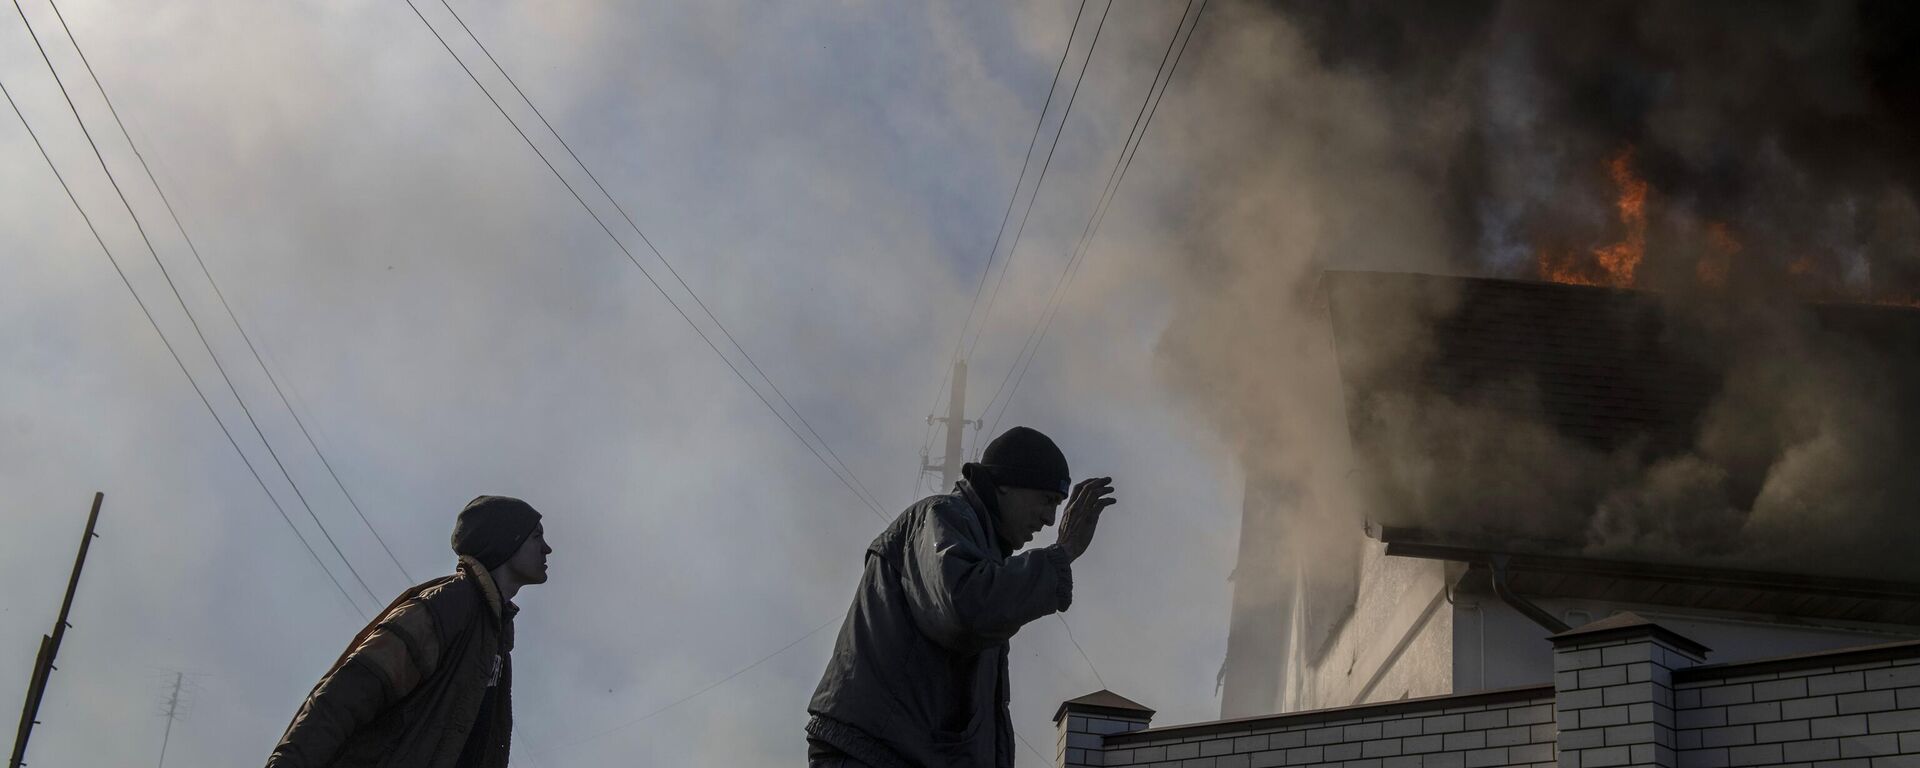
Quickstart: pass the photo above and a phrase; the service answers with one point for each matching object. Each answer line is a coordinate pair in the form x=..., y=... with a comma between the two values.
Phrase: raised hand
x=1089, y=498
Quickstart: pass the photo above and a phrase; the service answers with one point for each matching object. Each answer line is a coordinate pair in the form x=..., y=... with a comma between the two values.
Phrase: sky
x=828, y=177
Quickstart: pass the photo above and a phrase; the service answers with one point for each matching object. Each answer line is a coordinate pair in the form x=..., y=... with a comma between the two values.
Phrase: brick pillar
x=1613, y=692
x=1085, y=722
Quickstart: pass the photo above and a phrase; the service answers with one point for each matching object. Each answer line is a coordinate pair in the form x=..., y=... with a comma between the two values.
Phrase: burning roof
x=1633, y=425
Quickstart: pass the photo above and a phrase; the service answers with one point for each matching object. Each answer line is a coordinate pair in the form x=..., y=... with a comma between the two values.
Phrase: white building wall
x=1397, y=642
x=1400, y=634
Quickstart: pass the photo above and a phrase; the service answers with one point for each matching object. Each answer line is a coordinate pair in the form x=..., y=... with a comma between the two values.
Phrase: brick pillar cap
x=1625, y=625
x=1103, y=702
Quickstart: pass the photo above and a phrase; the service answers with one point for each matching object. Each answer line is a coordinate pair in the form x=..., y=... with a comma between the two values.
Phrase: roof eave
x=1421, y=543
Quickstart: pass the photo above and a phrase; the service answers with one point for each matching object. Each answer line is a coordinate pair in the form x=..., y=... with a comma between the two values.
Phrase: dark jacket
x=918, y=676
x=409, y=689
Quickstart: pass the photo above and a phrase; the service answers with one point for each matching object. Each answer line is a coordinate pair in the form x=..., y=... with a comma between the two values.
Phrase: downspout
x=1480, y=613
x=1497, y=568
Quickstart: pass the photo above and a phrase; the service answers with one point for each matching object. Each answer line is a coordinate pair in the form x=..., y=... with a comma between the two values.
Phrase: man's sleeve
x=963, y=599
x=383, y=667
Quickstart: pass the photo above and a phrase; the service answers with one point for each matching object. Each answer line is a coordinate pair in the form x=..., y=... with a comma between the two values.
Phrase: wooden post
x=50, y=644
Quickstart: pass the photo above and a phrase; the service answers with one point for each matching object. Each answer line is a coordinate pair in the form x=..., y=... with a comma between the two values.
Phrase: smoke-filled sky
x=827, y=176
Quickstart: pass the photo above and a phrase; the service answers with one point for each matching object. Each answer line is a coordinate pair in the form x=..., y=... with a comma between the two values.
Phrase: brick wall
x=1627, y=693
x=1613, y=692
x=1851, y=709
x=1494, y=729
x=1086, y=722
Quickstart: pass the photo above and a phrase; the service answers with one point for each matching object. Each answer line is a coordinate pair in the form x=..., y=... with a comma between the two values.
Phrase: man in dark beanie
x=918, y=677
x=428, y=683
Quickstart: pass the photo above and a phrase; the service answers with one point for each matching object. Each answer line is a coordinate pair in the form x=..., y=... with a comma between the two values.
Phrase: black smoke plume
x=1775, y=151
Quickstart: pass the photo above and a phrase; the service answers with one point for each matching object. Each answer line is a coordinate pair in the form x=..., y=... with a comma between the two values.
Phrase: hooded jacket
x=918, y=676
x=409, y=689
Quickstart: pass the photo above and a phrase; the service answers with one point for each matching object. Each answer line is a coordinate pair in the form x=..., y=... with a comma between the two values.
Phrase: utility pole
x=173, y=710
x=50, y=644
x=956, y=423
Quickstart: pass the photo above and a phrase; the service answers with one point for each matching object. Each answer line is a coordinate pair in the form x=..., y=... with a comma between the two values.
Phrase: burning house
x=1574, y=535
x=1544, y=420
x=1642, y=489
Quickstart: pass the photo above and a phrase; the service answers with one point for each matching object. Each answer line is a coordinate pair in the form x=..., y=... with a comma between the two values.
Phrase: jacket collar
x=484, y=581
x=985, y=514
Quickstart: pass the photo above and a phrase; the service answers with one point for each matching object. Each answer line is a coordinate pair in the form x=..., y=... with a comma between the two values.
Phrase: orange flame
x=1614, y=264
x=1621, y=259
x=1565, y=267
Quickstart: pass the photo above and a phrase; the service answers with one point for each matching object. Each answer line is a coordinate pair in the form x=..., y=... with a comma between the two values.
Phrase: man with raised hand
x=918, y=676
x=428, y=683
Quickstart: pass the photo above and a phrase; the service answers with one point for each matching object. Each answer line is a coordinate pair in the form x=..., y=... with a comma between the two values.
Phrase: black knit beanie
x=1024, y=458
x=492, y=528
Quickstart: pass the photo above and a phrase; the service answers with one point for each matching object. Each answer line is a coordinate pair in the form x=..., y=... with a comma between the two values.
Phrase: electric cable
x=1122, y=164
x=1142, y=120
x=1026, y=162
x=175, y=354
x=1030, y=748
x=1014, y=249
x=847, y=480
x=657, y=254
x=195, y=323
x=195, y=250
x=1083, y=652
x=1099, y=208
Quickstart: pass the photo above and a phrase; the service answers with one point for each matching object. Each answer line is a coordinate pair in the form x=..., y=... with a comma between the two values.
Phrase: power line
x=175, y=354
x=1039, y=182
x=1083, y=652
x=868, y=495
x=175, y=289
x=1099, y=207
x=1031, y=347
x=195, y=250
x=847, y=479
x=1013, y=249
x=1026, y=161
x=1177, y=56
x=1030, y=748
x=1122, y=164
